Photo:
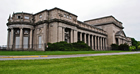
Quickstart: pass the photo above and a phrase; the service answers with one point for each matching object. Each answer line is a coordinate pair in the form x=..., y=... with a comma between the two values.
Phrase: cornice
x=27, y=23
x=54, y=20
x=91, y=30
x=110, y=23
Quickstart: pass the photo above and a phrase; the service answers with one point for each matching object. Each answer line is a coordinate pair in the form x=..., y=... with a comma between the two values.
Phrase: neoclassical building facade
x=33, y=31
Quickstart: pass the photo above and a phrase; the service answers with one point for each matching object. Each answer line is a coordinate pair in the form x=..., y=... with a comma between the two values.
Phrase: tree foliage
x=114, y=46
x=124, y=47
x=132, y=48
x=134, y=42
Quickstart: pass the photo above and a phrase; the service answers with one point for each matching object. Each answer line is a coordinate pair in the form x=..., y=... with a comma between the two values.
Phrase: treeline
x=135, y=43
x=135, y=46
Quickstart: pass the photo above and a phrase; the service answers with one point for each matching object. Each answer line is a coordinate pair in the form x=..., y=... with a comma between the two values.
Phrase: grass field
x=116, y=64
x=53, y=52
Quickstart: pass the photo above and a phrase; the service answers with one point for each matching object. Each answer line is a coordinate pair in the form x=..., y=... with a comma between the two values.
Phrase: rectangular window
x=39, y=41
x=64, y=15
x=26, y=17
x=70, y=17
x=25, y=42
x=17, y=42
x=40, y=16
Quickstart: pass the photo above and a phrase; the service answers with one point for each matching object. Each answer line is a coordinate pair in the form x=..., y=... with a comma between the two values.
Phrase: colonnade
x=94, y=41
x=72, y=35
x=122, y=41
x=11, y=38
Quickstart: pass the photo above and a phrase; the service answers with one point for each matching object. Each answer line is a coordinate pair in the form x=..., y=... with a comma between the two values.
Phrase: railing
x=100, y=48
x=29, y=47
x=3, y=47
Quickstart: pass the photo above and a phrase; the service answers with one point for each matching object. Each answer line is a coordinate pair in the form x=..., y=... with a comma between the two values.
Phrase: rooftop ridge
x=23, y=13
x=103, y=18
x=53, y=9
x=89, y=25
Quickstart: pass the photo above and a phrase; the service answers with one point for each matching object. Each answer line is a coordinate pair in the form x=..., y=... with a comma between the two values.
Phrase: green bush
x=132, y=48
x=114, y=46
x=81, y=46
x=138, y=47
x=124, y=47
x=64, y=46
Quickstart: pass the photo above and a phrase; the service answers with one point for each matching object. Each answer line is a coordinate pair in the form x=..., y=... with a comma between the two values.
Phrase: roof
x=63, y=10
x=89, y=25
x=119, y=33
x=23, y=13
x=54, y=9
x=103, y=18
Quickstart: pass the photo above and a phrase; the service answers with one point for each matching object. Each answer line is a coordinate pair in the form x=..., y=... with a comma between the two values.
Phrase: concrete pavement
x=59, y=56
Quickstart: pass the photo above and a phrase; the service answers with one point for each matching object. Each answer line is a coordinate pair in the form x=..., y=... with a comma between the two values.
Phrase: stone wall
x=52, y=24
x=104, y=20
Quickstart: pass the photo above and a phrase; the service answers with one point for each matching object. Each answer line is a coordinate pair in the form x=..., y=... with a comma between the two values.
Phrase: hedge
x=64, y=46
x=123, y=47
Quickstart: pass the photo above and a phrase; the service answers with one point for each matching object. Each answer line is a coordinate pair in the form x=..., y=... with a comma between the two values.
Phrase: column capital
x=21, y=28
x=31, y=28
x=10, y=28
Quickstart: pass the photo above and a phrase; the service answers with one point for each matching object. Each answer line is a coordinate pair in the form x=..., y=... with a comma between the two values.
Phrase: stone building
x=33, y=31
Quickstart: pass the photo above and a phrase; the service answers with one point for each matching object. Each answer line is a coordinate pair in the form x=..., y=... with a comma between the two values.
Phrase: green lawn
x=53, y=52
x=116, y=64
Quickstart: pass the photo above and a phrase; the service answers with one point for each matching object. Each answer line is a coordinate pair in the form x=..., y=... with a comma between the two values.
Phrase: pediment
x=120, y=33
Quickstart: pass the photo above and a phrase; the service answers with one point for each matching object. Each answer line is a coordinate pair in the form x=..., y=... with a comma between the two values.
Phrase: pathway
x=59, y=56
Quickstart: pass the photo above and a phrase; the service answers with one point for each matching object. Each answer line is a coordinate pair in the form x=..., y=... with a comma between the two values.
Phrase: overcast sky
x=126, y=11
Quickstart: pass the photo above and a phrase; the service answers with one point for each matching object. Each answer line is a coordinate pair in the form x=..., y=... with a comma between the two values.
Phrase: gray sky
x=126, y=11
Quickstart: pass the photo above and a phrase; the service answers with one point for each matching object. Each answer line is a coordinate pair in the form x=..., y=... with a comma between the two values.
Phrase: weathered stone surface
x=57, y=25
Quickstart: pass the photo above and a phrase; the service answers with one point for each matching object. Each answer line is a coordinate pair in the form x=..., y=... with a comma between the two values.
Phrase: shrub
x=114, y=46
x=138, y=47
x=124, y=47
x=81, y=46
x=132, y=48
x=64, y=46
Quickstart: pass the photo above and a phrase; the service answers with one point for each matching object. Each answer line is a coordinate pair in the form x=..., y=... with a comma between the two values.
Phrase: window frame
x=26, y=17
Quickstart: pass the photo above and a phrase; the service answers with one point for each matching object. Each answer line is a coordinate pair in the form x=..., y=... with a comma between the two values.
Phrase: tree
x=134, y=42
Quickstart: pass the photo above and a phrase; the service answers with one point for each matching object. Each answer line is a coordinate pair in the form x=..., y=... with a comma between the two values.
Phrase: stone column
x=75, y=36
x=85, y=38
x=119, y=41
x=98, y=43
x=12, y=38
x=71, y=36
x=60, y=31
x=106, y=44
x=89, y=40
x=8, y=36
x=63, y=34
x=21, y=37
x=95, y=43
x=92, y=42
x=81, y=36
x=31, y=34
x=101, y=43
